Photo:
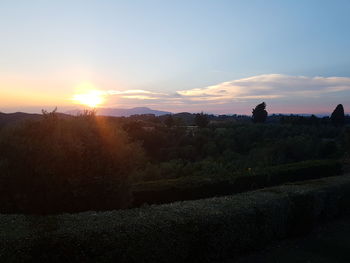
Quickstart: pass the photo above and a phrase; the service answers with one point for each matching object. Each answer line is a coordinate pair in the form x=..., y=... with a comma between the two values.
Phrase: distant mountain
x=12, y=118
x=122, y=112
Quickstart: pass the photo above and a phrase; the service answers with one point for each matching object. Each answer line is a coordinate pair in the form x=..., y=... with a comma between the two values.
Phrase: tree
x=259, y=113
x=338, y=117
x=169, y=121
x=201, y=120
x=70, y=164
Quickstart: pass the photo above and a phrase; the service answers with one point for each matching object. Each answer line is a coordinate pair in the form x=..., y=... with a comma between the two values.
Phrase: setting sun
x=92, y=98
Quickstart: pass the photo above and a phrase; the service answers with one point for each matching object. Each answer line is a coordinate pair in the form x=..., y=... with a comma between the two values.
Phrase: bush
x=196, y=187
x=65, y=164
x=208, y=230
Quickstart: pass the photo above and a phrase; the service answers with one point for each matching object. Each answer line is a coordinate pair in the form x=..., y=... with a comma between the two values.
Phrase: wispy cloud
x=262, y=87
x=134, y=94
x=270, y=86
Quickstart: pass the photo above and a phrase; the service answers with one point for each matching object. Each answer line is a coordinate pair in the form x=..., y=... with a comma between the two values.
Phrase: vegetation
x=58, y=163
x=169, y=121
x=207, y=230
x=259, y=113
x=201, y=120
x=74, y=164
x=196, y=187
x=338, y=117
x=218, y=151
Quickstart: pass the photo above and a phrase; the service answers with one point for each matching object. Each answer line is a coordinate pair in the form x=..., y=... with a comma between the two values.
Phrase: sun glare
x=91, y=98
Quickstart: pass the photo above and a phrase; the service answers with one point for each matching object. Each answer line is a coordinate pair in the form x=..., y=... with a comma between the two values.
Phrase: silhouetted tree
x=338, y=117
x=201, y=120
x=259, y=113
x=169, y=121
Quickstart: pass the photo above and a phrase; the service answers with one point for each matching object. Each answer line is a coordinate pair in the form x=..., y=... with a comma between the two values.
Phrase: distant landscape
x=54, y=162
x=122, y=112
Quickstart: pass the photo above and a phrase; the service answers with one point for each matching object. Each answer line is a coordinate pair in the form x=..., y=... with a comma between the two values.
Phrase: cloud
x=246, y=91
x=271, y=86
x=134, y=94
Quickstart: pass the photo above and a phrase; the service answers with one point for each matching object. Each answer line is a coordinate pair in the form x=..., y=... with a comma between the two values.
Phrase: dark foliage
x=304, y=120
x=189, y=151
x=54, y=165
x=196, y=187
x=208, y=230
x=62, y=163
x=338, y=117
x=169, y=121
x=201, y=120
x=259, y=113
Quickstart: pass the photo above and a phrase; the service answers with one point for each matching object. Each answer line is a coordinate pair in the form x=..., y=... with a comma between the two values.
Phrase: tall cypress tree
x=338, y=116
x=259, y=113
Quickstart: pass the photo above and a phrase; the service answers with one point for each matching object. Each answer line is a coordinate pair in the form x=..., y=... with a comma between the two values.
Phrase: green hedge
x=207, y=230
x=191, y=188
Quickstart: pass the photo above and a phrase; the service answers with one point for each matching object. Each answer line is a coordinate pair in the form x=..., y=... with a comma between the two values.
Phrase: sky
x=185, y=55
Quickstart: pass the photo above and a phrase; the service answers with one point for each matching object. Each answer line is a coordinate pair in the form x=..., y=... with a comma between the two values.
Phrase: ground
x=328, y=243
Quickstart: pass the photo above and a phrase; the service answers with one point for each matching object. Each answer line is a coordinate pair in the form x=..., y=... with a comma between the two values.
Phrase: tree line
x=259, y=115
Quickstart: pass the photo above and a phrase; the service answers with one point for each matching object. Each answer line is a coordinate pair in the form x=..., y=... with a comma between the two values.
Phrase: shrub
x=208, y=230
x=196, y=187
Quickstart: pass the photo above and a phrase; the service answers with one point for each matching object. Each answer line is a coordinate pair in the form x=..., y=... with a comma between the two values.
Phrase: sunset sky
x=184, y=55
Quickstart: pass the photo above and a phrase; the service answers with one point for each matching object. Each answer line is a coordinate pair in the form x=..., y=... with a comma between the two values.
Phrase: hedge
x=191, y=188
x=207, y=230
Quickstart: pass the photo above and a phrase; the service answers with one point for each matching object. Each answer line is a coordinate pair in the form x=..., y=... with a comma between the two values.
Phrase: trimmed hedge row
x=192, y=188
x=208, y=230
